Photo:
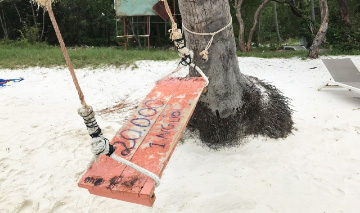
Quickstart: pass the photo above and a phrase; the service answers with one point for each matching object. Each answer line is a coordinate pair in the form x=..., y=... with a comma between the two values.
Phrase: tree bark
x=232, y=106
x=292, y=5
x=276, y=22
x=210, y=16
x=312, y=7
x=320, y=36
x=344, y=11
x=241, y=37
x=256, y=20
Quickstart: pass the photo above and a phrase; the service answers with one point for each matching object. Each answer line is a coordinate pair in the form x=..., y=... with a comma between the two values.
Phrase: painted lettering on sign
x=170, y=123
x=155, y=144
x=145, y=117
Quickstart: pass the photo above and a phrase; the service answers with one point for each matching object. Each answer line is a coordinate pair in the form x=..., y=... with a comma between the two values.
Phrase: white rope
x=101, y=145
x=137, y=168
x=201, y=73
x=130, y=164
x=205, y=53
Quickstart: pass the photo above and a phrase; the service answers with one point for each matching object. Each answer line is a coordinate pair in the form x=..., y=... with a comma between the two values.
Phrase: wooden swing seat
x=148, y=139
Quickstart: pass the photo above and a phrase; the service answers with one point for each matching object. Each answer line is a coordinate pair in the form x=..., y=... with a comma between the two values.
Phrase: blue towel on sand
x=7, y=82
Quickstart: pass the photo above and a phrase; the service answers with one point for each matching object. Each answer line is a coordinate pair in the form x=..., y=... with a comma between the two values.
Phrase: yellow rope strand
x=175, y=33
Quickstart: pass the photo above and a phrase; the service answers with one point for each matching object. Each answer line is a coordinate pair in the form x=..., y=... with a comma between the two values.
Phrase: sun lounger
x=344, y=74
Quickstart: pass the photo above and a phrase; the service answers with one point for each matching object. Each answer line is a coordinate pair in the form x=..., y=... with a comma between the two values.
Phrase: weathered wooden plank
x=104, y=173
x=160, y=142
x=147, y=139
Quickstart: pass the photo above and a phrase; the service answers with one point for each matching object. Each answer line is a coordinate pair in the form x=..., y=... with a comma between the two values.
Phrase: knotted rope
x=205, y=53
x=175, y=33
x=187, y=56
x=184, y=52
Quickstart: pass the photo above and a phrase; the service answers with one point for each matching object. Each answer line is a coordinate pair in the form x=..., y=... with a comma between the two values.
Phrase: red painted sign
x=148, y=139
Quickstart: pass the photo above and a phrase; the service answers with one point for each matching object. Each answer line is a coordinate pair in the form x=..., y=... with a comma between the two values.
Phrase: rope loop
x=204, y=55
x=186, y=60
x=175, y=34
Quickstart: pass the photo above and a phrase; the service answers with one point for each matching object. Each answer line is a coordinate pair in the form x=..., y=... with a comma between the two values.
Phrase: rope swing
x=100, y=144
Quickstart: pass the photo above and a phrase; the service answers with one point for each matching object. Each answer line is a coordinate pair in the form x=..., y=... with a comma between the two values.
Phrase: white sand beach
x=45, y=147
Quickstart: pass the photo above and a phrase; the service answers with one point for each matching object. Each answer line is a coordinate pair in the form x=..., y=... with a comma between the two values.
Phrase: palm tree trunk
x=232, y=107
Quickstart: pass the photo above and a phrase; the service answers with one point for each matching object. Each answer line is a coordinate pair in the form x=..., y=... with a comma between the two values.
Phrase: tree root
x=265, y=111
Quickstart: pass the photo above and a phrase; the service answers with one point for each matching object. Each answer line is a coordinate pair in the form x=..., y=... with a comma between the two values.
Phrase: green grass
x=268, y=53
x=19, y=55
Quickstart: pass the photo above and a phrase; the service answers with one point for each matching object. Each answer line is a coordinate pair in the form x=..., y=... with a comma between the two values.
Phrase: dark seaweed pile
x=253, y=118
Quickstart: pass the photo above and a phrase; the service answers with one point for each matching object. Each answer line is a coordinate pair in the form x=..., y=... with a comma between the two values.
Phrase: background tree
x=238, y=6
x=344, y=11
x=342, y=36
x=312, y=8
x=3, y=20
x=320, y=36
x=276, y=21
x=93, y=23
x=256, y=21
x=234, y=105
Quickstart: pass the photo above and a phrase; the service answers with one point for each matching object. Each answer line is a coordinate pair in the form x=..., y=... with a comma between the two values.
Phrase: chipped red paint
x=148, y=139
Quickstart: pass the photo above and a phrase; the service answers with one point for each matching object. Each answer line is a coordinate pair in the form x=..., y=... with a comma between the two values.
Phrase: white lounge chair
x=344, y=74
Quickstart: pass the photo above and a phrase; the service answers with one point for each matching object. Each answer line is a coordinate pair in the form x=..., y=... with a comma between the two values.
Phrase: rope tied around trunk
x=205, y=53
